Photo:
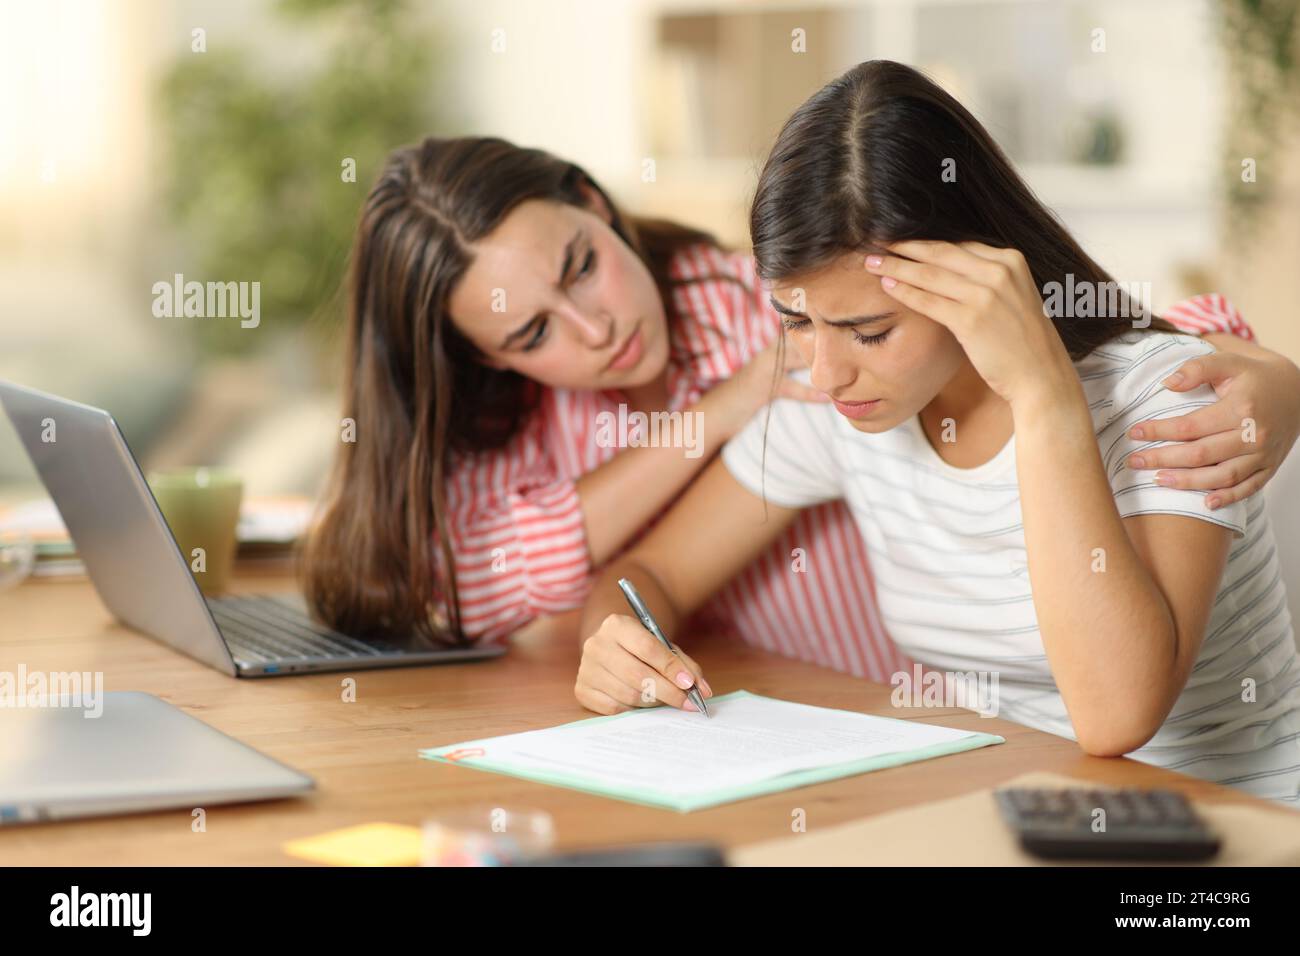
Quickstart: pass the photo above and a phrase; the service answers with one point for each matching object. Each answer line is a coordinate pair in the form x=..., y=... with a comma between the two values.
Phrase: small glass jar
x=484, y=835
x=17, y=558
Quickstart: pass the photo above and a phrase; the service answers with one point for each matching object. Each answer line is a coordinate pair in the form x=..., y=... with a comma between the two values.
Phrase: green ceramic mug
x=201, y=506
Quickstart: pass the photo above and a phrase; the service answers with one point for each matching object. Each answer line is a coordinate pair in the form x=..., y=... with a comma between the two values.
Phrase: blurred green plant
x=255, y=155
x=1261, y=40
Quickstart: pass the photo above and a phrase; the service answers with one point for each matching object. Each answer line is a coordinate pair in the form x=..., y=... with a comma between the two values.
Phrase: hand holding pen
x=626, y=664
x=650, y=624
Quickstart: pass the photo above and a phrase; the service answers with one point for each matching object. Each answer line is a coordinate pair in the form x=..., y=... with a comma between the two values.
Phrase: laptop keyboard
x=261, y=629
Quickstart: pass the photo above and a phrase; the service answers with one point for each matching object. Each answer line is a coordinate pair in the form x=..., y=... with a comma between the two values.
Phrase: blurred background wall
x=143, y=139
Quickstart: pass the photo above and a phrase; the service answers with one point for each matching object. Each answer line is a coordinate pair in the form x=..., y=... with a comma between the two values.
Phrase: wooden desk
x=363, y=754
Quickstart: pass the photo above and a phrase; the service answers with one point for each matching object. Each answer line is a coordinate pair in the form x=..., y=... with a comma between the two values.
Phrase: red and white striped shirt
x=517, y=528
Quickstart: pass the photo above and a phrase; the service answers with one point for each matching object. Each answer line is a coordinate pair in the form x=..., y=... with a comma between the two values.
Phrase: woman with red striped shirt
x=507, y=323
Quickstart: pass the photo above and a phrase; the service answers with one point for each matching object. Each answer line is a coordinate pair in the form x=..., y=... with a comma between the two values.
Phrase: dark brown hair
x=860, y=164
x=377, y=562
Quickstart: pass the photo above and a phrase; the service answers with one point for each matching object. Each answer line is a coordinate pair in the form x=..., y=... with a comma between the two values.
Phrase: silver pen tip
x=698, y=699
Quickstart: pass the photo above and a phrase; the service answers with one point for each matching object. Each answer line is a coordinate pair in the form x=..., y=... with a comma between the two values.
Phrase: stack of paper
x=684, y=761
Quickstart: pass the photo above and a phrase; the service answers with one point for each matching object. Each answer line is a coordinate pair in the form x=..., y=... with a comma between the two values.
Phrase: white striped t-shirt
x=947, y=547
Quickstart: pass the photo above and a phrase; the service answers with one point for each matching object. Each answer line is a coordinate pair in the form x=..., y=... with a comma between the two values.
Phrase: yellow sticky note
x=369, y=844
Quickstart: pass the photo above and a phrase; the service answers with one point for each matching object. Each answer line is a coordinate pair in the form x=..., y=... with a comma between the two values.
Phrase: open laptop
x=140, y=574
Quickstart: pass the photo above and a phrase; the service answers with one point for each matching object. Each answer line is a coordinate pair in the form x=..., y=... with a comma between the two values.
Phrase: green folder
x=684, y=803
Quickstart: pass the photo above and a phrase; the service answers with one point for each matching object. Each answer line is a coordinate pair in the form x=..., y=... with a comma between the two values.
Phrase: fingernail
x=708, y=691
x=685, y=680
x=1174, y=379
x=1212, y=503
x=689, y=705
x=1136, y=432
x=873, y=262
x=1137, y=461
x=1164, y=479
x=889, y=282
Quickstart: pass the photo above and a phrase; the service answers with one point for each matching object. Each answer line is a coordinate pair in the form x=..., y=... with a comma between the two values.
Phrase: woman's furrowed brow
x=567, y=264
x=859, y=320
x=837, y=323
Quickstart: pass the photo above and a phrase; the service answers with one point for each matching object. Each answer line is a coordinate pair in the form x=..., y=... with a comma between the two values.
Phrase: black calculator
x=1087, y=824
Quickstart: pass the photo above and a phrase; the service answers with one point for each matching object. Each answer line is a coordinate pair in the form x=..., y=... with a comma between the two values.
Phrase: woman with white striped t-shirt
x=990, y=448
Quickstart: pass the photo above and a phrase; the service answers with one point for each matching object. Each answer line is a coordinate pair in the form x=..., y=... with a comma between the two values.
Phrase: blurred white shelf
x=1119, y=188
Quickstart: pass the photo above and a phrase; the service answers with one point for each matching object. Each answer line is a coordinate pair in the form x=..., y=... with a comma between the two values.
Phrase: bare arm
x=708, y=537
x=1121, y=641
x=621, y=497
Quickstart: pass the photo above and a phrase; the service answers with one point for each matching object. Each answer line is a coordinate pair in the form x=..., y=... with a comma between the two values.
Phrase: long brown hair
x=860, y=165
x=378, y=562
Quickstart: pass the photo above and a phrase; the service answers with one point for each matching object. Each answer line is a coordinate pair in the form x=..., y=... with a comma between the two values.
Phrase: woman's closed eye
x=796, y=325
x=539, y=333
x=870, y=339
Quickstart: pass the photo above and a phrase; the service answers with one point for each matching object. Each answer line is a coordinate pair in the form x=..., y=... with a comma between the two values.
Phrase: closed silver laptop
x=124, y=752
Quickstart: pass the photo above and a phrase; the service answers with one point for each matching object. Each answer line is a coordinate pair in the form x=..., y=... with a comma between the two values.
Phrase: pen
x=648, y=621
